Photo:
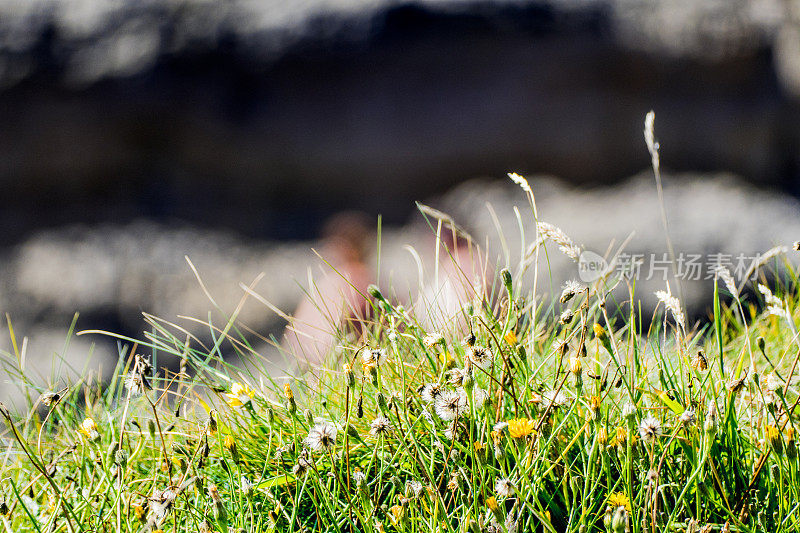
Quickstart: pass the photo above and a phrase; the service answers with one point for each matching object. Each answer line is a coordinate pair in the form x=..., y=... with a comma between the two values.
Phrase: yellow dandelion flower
x=774, y=438
x=447, y=360
x=511, y=338
x=491, y=503
x=287, y=391
x=599, y=331
x=602, y=437
x=239, y=395
x=575, y=365
x=618, y=499
x=520, y=427
x=620, y=437
x=397, y=514
x=479, y=446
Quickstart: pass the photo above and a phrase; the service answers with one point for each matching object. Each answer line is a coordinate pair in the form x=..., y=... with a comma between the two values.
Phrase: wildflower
x=481, y=357
x=511, y=338
x=373, y=357
x=618, y=499
x=566, y=316
x=520, y=427
x=246, y=486
x=501, y=427
x=619, y=523
x=773, y=383
x=430, y=391
x=49, y=398
x=447, y=360
x=450, y=404
x=136, y=383
x=791, y=445
x=570, y=289
x=491, y=503
x=735, y=385
x=220, y=514
x=620, y=437
x=433, y=340
x=89, y=430
x=774, y=439
x=687, y=417
x=359, y=477
x=555, y=399
x=454, y=481
x=291, y=405
x=397, y=514
x=239, y=395
x=700, y=362
x=455, y=376
x=481, y=398
x=650, y=429
x=211, y=424
x=595, y=403
x=504, y=487
x=602, y=436
x=380, y=425
x=230, y=445
x=575, y=366
x=349, y=376
x=413, y=488
x=321, y=437
x=710, y=424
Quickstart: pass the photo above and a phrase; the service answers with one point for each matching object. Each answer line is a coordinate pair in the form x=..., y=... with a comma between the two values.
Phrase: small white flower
x=557, y=399
x=359, y=477
x=246, y=485
x=380, y=425
x=430, y=391
x=504, y=487
x=628, y=411
x=773, y=383
x=321, y=437
x=413, y=488
x=451, y=404
x=373, y=357
x=432, y=340
x=481, y=357
x=687, y=417
x=650, y=429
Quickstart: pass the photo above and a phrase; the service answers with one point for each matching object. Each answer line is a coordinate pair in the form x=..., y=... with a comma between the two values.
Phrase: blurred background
x=135, y=133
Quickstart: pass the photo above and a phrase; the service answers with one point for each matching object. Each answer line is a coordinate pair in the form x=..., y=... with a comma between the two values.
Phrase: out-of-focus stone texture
x=265, y=117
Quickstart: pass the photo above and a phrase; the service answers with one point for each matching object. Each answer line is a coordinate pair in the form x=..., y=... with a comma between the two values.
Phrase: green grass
x=590, y=425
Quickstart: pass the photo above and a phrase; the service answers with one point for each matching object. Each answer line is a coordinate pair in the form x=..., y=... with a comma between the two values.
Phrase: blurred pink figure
x=335, y=302
x=460, y=281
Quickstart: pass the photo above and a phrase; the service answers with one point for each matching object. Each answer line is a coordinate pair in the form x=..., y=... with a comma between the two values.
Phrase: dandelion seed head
x=321, y=437
x=380, y=426
x=504, y=487
x=650, y=429
x=373, y=357
x=430, y=391
x=481, y=357
x=451, y=404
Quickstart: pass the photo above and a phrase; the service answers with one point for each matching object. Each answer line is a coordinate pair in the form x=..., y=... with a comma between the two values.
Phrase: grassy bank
x=516, y=414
